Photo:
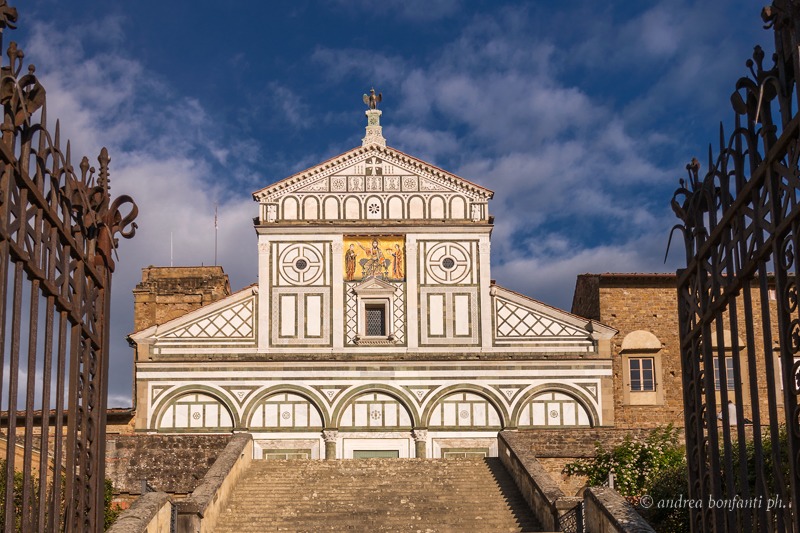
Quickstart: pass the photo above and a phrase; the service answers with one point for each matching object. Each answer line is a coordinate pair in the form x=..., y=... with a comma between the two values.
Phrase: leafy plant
x=112, y=510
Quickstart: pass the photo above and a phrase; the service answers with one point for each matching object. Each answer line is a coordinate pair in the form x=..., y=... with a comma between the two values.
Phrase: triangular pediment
x=374, y=286
x=229, y=321
x=519, y=320
x=372, y=170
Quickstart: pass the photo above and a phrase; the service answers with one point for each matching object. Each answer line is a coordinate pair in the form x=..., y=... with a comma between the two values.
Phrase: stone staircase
x=414, y=495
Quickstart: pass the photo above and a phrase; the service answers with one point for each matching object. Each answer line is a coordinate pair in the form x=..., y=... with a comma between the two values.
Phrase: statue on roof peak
x=372, y=100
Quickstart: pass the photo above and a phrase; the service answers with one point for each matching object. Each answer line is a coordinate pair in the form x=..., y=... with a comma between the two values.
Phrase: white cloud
x=164, y=153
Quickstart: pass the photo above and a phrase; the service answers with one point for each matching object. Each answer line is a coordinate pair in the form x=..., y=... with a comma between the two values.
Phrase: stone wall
x=630, y=303
x=169, y=292
x=633, y=302
x=554, y=448
x=171, y=463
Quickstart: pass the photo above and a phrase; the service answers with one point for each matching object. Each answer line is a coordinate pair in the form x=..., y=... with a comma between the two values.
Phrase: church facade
x=375, y=328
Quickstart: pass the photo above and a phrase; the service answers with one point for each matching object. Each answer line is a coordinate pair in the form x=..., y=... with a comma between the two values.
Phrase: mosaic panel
x=378, y=256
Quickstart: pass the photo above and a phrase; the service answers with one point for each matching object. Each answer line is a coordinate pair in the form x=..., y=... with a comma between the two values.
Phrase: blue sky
x=580, y=115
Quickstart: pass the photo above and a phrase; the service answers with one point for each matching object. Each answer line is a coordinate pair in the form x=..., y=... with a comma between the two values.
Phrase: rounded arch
x=641, y=340
x=395, y=208
x=290, y=208
x=487, y=394
x=402, y=398
x=311, y=208
x=169, y=399
x=436, y=207
x=331, y=208
x=352, y=208
x=416, y=207
x=252, y=404
x=374, y=208
x=458, y=207
x=580, y=398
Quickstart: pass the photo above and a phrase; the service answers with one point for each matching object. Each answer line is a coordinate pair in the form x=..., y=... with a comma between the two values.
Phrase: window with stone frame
x=375, y=320
x=729, y=376
x=642, y=374
x=642, y=371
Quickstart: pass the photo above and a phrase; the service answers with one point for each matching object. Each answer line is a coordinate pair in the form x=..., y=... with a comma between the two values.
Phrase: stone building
x=375, y=328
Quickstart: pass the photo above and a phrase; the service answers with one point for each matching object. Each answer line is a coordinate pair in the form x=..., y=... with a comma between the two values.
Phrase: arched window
x=641, y=369
x=285, y=411
x=553, y=408
x=375, y=411
x=196, y=412
x=464, y=410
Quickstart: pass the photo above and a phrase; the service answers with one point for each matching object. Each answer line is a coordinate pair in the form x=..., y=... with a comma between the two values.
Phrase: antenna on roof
x=216, y=227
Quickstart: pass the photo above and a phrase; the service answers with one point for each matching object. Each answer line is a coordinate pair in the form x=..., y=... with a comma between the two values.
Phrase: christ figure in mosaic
x=374, y=264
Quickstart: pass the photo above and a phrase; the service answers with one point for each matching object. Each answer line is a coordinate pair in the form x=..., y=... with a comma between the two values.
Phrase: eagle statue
x=372, y=100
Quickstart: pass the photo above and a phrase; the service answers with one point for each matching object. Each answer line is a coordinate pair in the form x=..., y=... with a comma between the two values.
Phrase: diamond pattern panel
x=235, y=322
x=351, y=316
x=514, y=321
x=399, y=315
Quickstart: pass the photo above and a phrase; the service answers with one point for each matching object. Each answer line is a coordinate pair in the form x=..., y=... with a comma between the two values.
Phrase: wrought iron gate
x=738, y=301
x=58, y=230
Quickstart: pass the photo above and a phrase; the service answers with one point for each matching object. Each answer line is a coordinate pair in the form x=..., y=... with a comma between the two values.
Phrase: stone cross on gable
x=374, y=167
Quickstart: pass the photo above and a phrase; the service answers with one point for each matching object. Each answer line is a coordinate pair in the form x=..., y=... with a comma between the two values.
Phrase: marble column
x=420, y=442
x=330, y=436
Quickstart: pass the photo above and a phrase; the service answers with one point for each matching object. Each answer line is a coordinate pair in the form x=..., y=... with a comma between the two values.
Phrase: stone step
x=431, y=495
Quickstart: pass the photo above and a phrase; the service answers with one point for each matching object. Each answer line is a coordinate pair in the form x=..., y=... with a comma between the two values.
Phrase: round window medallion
x=196, y=416
x=448, y=263
x=374, y=208
x=301, y=264
x=464, y=413
x=285, y=415
x=553, y=414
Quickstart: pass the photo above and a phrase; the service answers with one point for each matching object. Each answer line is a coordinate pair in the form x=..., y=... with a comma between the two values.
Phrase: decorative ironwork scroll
x=738, y=301
x=58, y=231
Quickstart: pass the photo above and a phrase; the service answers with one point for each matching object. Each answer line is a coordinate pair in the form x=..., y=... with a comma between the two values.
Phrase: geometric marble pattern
x=351, y=314
x=517, y=321
x=398, y=313
x=235, y=322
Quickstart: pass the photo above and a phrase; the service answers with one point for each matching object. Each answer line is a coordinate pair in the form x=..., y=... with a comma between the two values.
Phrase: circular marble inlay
x=464, y=413
x=196, y=416
x=553, y=414
x=301, y=264
x=285, y=415
x=448, y=263
x=375, y=414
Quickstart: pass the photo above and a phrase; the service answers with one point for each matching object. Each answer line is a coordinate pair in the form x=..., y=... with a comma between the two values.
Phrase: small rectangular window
x=642, y=374
x=731, y=382
x=376, y=320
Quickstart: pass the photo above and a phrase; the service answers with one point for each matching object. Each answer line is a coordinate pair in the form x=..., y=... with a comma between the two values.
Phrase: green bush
x=112, y=511
x=635, y=463
x=655, y=466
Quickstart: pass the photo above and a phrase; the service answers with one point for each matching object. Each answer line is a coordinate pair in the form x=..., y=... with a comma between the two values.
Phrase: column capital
x=420, y=435
x=330, y=435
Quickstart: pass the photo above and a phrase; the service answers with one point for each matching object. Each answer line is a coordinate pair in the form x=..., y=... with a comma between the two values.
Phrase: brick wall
x=169, y=292
x=554, y=448
x=630, y=302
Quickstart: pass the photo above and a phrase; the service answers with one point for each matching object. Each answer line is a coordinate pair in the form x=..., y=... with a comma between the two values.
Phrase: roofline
x=129, y=336
x=577, y=318
x=294, y=178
